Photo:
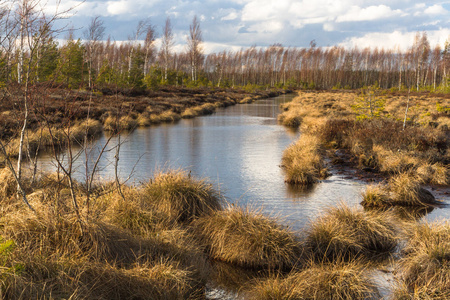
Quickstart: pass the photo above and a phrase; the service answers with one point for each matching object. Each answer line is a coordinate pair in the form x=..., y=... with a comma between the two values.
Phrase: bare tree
x=93, y=35
x=195, y=49
x=149, y=48
x=167, y=43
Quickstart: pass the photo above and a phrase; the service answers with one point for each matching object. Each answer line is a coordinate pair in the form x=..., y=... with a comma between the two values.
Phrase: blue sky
x=232, y=24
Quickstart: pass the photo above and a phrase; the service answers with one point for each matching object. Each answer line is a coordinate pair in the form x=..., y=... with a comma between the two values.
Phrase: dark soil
x=59, y=107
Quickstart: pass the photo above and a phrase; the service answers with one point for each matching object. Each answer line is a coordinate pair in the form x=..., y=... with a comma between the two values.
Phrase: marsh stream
x=239, y=150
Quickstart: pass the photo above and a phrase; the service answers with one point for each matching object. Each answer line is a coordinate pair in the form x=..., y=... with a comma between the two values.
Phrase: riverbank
x=380, y=134
x=60, y=116
x=174, y=237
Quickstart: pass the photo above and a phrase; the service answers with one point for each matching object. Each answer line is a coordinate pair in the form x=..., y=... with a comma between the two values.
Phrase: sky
x=235, y=24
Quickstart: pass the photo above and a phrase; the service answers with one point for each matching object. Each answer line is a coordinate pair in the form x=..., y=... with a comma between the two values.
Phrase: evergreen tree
x=70, y=63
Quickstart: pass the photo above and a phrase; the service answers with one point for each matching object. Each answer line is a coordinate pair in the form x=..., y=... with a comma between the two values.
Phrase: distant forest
x=30, y=54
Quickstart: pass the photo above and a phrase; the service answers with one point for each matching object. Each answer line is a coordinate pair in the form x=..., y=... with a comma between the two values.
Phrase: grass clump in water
x=302, y=161
x=425, y=269
x=323, y=281
x=347, y=232
x=402, y=190
x=181, y=197
x=241, y=237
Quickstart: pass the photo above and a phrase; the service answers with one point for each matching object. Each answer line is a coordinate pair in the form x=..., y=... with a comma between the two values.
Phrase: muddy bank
x=61, y=107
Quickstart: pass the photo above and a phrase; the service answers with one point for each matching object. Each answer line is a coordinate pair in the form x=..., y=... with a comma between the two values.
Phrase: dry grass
x=326, y=281
x=180, y=196
x=290, y=118
x=95, y=280
x=302, y=161
x=205, y=109
x=124, y=250
x=424, y=272
x=401, y=190
x=376, y=196
x=405, y=189
x=379, y=143
x=344, y=232
x=47, y=137
x=245, y=238
x=436, y=173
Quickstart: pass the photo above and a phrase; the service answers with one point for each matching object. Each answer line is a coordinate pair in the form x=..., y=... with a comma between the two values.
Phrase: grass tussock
x=302, y=161
x=180, y=196
x=344, y=232
x=124, y=123
x=290, y=118
x=406, y=190
x=436, y=173
x=401, y=190
x=205, y=109
x=244, y=238
x=94, y=280
x=424, y=271
x=48, y=137
x=325, y=281
x=125, y=249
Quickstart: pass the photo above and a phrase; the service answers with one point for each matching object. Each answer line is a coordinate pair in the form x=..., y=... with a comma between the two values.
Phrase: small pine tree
x=369, y=104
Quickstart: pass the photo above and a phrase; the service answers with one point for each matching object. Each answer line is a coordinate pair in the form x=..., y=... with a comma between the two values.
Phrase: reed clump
x=424, y=271
x=250, y=239
x=337, y=280
x=302, y=161
x=180, y=196
x=344, y=232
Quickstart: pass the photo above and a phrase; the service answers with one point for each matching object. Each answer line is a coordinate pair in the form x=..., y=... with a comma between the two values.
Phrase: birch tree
x=195, y=48
x=167, y=43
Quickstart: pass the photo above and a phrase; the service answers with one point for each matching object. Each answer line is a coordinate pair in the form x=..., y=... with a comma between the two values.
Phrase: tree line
x=30, y=53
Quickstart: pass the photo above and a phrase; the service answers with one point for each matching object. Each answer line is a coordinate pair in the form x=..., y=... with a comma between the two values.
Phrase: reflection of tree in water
x=405, y=212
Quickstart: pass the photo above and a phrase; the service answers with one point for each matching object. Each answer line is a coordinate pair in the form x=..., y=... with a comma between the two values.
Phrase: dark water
x=239, y=149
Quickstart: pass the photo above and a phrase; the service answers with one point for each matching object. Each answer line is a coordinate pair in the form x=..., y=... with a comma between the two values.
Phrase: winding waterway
x=239, y=150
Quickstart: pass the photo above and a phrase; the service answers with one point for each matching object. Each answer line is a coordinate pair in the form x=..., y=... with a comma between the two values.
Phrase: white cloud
x=231, y=16
x=436, y=9
x=396, y=39
x=119, y=7
x=370, y=13
x=266, y=27
x=328, y=27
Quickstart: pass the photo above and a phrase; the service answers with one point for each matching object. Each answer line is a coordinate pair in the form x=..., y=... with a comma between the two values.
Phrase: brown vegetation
x=379, y=142
x=302, y=161
x=245, y=238
x=338, y=280
x=403, y=189
x=344, y=232
x=424, y=271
